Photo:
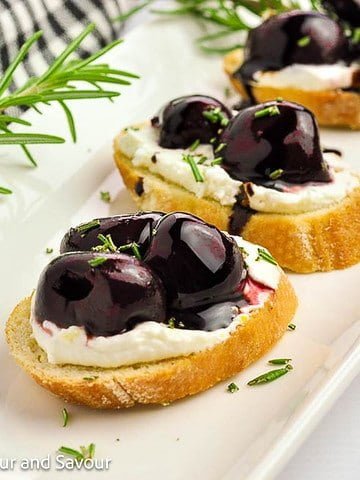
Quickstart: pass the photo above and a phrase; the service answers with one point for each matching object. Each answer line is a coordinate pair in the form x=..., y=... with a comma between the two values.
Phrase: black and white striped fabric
x=61, y=21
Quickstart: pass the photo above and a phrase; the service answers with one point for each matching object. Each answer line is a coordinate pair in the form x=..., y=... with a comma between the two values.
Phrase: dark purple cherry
x=197, y=263
x=274, y=141
x=187, y=119
x=123, y=229
x=346, y=10
x=293, y=37
x=107, y=294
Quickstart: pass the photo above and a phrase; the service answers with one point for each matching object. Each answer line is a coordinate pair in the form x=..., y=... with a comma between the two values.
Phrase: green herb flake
x=215, y=115
x=86, y=227
x=232, y=387
x=216, y=161
x=97, y=261
x=82, y=454
x=356, y=36
x=65, y=416
x=201, y=160
x=280, y=361
x=91, y=379
x=270, y=376
x=194, y=168
x=267, y=112
x=5, y=191
x=171, y=322
x=276, y=174
x=265, y=255
x=292, y=326
x=105, y=197
x=220, y=147
x=304, y=41
x=227, y=92
x=194, y=145
x=107, y=245
x=131, y=246
x=49, y=250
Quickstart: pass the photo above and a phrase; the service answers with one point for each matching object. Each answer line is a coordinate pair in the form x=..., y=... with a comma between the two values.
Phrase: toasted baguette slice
x=331, y=107
x=157, y=382
x=321, y=240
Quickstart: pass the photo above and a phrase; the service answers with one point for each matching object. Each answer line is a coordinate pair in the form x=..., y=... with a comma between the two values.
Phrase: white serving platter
x=214, y=435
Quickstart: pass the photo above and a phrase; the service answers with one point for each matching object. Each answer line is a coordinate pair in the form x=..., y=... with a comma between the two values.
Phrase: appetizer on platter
x=148, y=308
x=305, y=57
x=260, y=174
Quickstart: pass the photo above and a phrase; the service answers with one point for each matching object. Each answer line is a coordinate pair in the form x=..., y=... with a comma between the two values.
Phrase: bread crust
x=334, y=108
x=157, y=382
x=321, y=240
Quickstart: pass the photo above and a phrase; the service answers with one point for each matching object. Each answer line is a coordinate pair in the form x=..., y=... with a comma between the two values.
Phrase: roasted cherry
x=272, y=142
x=197, y=263
x=187, y=119
x=346, y=10
x=123, y=229
x=107, y=294
x=293, y=37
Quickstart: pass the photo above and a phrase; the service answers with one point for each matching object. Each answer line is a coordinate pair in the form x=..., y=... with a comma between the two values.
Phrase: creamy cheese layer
x=140, y=144
x=149, y=341
x=308, y=77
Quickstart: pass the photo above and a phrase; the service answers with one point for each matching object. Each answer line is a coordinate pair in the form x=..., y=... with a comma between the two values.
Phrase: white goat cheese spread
x=140, y=144
x=148, y=341
x=308, y=77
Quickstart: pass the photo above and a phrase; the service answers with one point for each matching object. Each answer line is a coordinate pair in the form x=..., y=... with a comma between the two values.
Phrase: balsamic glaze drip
x=190, y=270
x=333, y=150
x=241, y=213
x=289, y=38
x=182, y=121
x=139, y=187
x=123, y=229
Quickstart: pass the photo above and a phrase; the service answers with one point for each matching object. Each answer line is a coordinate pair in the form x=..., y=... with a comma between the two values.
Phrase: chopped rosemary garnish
x=280, y=361
x=131, y=246
x=265, y=255
x=292, y=326
x=279, y=99
x=82, y=454
x=171, y=322
x=194, y=145
x=5, y=191
x=215, y=115
x=65, y=416
x=97, y=261
x=267, y=112
x=105, y=197
x=49, y=250
x=276, y=174
x=107, y=244
x=90, y=379
x=232, y=387
x=86, y=227
x=213, y=140
x=194, y=168
x=201, y=160
x=270, y=376
x=304, y=41
x=220, y=147
x=216, y=161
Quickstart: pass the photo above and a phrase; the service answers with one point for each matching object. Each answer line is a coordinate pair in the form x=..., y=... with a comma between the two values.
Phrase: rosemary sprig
x=82, y=454
x=279, y=361
x=228, y=16
x=59, y=83
x=265, y=255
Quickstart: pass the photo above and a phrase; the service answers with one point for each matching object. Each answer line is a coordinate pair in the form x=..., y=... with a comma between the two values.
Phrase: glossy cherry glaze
x=123, y=229
x=274, y=148
x=108, y=299
x=292, y=37
x=346, y=10
x=182, y=121
x=197, y=263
